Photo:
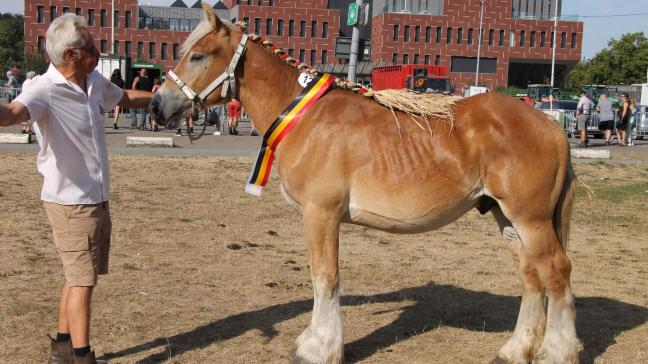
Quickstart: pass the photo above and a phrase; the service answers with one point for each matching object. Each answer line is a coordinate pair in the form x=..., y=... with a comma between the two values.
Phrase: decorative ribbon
x=281, y=127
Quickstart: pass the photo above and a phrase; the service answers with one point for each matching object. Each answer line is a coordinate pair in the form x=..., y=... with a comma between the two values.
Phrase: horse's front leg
x=322, y=342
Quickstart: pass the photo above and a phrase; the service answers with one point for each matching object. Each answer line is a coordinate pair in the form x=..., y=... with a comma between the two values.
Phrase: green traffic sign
x=352, y=17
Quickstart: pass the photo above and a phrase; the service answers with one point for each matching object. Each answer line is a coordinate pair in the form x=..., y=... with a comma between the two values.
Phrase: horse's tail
x=563, y=211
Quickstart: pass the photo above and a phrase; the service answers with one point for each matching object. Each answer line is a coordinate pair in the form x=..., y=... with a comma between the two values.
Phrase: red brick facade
x=464, y=14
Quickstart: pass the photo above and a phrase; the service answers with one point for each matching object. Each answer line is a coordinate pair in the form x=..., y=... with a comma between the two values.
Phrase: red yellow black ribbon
x=281, y=127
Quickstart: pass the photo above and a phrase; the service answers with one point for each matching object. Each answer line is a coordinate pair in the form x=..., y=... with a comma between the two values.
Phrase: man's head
x=143, y=72
x=583, y=93
x=70, y=44
x=603, y=97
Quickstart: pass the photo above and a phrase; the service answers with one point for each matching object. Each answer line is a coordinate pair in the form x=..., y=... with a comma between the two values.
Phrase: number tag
x=305, y=79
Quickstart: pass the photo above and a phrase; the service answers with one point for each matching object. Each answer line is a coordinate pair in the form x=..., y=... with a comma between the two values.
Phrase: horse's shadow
x=599, y=321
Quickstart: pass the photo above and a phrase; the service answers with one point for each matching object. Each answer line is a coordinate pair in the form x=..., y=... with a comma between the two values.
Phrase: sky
x=598, y=15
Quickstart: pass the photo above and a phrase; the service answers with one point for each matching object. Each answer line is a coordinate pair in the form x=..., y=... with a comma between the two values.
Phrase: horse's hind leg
x=529, y=330
x=322, y=342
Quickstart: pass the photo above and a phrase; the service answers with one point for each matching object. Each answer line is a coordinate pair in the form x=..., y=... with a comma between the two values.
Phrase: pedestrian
x=606, y=118
x=631, y=122
x=117, y=79
x=66, y=106
x=156, y=86
x=143, y=83
x=583, y=111
x=26, y=126
x=12, y=85
x=189, y=122
x=233, y=115
x=624, y=117
x=215, y=113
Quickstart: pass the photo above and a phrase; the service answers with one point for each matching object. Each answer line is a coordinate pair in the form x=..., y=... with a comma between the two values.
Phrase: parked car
x=558, y=105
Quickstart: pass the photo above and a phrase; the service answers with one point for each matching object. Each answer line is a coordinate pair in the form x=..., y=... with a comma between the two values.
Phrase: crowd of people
x=626, y=116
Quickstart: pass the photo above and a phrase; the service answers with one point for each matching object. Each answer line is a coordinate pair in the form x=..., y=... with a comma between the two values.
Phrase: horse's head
x=207, y=53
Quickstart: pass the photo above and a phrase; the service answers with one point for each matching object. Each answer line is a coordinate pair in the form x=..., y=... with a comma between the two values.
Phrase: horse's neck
x=267, y=86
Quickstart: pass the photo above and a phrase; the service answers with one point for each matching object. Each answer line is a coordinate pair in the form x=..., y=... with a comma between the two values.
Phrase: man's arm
x=14, y=113
x=135, y=99
x=135, y=82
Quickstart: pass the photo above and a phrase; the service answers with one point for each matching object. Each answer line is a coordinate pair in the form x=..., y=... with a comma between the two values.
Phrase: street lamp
x=553, y=55
x=479, y=43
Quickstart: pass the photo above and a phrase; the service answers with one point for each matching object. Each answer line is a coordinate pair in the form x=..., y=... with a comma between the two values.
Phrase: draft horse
x=347, y=162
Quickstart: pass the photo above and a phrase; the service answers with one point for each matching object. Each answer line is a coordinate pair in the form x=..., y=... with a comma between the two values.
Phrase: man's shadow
x=599, y=321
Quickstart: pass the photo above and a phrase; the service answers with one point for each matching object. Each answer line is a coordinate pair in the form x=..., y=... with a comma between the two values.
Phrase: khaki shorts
x=582, y=121
x=82, y=238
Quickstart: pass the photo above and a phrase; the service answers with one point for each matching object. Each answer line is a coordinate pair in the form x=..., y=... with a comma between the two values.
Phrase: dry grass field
x=202, y=273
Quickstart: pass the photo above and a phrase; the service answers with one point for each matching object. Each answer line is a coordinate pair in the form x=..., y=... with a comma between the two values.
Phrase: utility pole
x=355, y=38
x=112, y=28
x=553, y=55
x=481, y=21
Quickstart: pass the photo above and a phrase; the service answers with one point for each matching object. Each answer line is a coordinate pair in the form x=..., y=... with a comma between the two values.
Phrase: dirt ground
x=202, y=273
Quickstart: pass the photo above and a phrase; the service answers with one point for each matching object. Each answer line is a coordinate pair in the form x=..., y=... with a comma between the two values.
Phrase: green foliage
x=11, y=41
x=624, y=61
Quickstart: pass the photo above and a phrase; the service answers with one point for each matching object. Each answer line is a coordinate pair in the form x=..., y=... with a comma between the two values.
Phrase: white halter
x=226, y=78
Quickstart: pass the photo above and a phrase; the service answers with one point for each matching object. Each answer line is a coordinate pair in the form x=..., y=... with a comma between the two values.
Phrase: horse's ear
x=211, y=16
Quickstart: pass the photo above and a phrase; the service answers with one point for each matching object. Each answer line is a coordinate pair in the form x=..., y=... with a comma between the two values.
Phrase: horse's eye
x=196, y=57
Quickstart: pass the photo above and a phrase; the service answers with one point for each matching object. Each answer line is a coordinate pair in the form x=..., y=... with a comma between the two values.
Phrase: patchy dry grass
x=201, y=272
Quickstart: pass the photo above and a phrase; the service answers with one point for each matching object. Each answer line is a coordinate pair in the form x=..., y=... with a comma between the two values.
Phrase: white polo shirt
x=69, y=127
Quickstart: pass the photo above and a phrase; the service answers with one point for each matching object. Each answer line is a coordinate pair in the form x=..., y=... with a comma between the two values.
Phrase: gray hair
x=62, y=34
x=31, y=74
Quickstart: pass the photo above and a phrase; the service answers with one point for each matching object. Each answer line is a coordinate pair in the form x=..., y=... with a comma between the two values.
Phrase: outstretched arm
x=13, y=113
x=135, y=99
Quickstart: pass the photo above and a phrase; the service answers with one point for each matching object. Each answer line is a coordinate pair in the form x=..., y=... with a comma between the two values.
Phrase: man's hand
x=135, y=99
x=14, y=113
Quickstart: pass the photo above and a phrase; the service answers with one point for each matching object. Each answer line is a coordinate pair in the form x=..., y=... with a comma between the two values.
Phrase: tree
x=624, y=61
x=11, y=41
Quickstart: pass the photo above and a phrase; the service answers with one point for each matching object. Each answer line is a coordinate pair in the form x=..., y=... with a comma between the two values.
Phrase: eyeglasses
x=93, y=50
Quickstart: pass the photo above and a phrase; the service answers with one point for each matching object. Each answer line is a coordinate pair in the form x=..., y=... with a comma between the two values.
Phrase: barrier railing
x=7, y=93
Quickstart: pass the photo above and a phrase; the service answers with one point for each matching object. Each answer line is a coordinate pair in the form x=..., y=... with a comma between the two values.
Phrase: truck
x=417, y=77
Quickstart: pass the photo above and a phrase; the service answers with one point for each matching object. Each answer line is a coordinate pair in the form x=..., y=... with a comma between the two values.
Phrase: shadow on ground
x=599, y=321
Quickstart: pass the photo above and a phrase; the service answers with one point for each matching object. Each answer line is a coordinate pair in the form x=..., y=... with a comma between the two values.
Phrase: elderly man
x=67, y=105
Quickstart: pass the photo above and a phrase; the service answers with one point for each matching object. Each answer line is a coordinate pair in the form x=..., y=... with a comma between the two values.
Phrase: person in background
x=156, y=85
x=216, y=121
x=26, y=126
x=143, y=83
x=233, y=115
x=624, y=117
x=189, y=123
x=117, y=79
x=631, y=122
x=583, y=111
x=12, y=85
x=606, y=118
x=66, y=106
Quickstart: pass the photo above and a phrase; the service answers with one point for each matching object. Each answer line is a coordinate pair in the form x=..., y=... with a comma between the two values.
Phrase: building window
x=459, y=35
x=406, y=33
x=501, y=38
x=270, y=2
x=532, y=39
x=552, y=39
x=127, y=19
x=291, y=28
x=302, y=29
x=428, y=34
x=416, y=59
x=522, y=38
x=563, y=40
x=116, y=18
x=77, y=11
x=269, y=26
x=91, y=17
x=512, y=38
x=302, y=55
x=116, y=47
x=325, y=30
x=151, y=50
x=573, y=40
x=39, y=14
x=104, y=46
x=260, y=3
x=438, y=35
x=405, y=58
x=163, y=51
x=66, y=10
x=324, y=57
x=468, y=64
x=427, y=59
x=437, y=60
x=395, y=58
x=291, y=52
x=257, y=26
x=40, y=41
x=103, y=18
x=314, y=29
x=249, y=2
x=395, y=36
x=417, y=33
x=543, y=39
x=127, y=48
x=52, y=13
x=174, y=53
x=449, y=36
x=280, y=27
x=491, y=37
x=140, y=50
x=470, y=36
x=313, y=57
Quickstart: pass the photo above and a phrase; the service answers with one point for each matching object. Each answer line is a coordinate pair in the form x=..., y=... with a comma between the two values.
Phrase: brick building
x=516, y=43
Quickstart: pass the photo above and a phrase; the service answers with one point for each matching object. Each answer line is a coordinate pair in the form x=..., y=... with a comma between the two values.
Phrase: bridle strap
x=227, y=78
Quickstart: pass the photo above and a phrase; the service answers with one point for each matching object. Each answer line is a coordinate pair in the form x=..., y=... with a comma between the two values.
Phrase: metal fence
x=8, y=93
x=567, y=120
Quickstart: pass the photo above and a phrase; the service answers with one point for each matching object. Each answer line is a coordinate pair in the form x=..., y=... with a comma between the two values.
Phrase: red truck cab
x=418, y=77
